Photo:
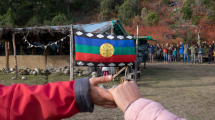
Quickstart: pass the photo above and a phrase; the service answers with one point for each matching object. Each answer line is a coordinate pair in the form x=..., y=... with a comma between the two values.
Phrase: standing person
x=165, y=53
x=210, y=52
x=151, y=52
x=159, y=51
x=105, y=70
x=170, y=55
x=181, y=52
x=186, y=55
x=200, y=52
x=174, y=55
x=193, y=53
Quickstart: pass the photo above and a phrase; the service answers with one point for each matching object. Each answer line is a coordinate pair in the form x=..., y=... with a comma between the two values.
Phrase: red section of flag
x=101, y=59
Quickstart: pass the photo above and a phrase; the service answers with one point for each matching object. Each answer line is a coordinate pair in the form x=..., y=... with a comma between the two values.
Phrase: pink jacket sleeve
x=144, y=109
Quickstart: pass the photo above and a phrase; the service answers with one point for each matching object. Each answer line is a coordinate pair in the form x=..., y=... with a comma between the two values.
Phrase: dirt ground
x=184, y=89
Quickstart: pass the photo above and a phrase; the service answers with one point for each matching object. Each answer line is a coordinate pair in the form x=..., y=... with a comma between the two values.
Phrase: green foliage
x=6, y=20
x=188, y=37
x=33, y=21
x=143, y=13
x=165, y=1
x=152, y=17
x=187, y=11
x=47, y=23
x=188, y=2
x=210, y=13
x=127, y=10
x=195, y=19
x=60, y=20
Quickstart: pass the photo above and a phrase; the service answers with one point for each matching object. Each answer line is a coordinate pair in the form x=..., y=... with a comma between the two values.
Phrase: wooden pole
x=71, y=55
x=199, y=35
x=136, y=55
x=111, y=69
x=7, y=54
x=15, y=60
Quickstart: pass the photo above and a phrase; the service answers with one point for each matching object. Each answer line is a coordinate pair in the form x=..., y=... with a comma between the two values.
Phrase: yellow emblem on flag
x=106, y=50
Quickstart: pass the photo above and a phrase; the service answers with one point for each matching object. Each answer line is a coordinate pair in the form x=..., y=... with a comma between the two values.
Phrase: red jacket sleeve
x=52, y=101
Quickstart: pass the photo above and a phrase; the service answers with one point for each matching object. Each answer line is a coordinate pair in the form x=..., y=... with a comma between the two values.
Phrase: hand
x=125, y=93
x=100, y=96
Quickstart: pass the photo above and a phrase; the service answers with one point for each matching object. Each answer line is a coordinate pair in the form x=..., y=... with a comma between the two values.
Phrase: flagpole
x=136, y=55
x=71, y=55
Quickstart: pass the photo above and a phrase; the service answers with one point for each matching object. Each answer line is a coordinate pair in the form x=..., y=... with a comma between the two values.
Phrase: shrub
x=152, y=17
x=127, y=10
x=165, y=1
x=7, y=20
x=187, y=11
x=33, y=21
x=59, y=20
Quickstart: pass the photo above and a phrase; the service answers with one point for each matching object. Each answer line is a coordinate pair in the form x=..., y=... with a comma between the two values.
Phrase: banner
x=101, y=50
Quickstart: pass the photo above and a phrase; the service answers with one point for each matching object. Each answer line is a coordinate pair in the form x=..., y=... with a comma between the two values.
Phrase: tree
x=187, y=11
x=128, y=9
x=7, y=19
x=152, y=17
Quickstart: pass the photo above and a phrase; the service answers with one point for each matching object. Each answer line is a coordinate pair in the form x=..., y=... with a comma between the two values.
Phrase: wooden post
x=136, y=56
x=71, y=55
x=15, y=60
x=7, y=54
x=199, y=34
x=111, y=69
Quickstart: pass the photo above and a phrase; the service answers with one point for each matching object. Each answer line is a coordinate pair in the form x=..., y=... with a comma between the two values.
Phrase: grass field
x=186, y=90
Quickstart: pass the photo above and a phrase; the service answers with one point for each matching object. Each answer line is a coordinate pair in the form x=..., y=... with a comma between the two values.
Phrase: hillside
x=164, y=20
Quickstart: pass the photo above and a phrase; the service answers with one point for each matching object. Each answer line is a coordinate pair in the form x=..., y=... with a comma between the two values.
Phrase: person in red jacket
x=53, y=101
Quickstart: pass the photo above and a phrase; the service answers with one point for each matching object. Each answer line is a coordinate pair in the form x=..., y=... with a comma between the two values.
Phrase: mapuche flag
x=101, y=50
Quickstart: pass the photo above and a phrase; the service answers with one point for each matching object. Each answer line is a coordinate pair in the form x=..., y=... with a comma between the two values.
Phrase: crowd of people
x=180, y=53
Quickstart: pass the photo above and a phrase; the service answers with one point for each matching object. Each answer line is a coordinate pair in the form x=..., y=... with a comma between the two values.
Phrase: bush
x=127, y=10
x=47, y=23
x=187, y=11
x=165, y=1
x=59, y=20
x=7, y=20
x=210, y=13
x=152, y=17
x=143, y=13
x=33, y=21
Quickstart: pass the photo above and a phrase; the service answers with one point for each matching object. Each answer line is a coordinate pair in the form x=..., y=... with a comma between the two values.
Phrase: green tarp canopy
x=144, y=38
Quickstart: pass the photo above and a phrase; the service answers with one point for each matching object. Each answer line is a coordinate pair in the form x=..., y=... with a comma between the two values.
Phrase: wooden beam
x=119, y=72
x=15, y=60
x=71, y=55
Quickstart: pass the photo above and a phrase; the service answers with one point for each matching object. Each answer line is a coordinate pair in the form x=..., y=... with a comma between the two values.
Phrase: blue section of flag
x=99, y=42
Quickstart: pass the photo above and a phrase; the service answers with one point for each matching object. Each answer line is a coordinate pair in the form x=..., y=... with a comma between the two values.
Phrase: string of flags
x=45, y=46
